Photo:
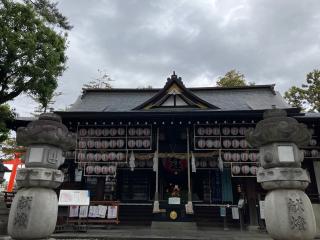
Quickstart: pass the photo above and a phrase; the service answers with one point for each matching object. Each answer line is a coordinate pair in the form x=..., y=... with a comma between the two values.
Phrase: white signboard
x=235, y=213
x=174, y=200
x=74, y=197
x=261, y=206
x=285, y=154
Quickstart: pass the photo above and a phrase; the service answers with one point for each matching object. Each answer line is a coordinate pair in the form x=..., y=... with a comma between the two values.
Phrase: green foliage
x=32, y=52
x=232, y=79
x=6, y=116
x=308, y=96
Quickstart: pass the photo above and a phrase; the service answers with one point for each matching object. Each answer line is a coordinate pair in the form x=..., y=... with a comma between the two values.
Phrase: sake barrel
x=313, y=142
x=139, y=143
x=146, y=132
x=112, y=144
x=113, y=132
x=97, y=170
x=104, y=144
x=216, y=143
x=132, y=131
x=91, y=132
x=244, y=157
x=209, y=143
x=105, y=132
x=98, y=132
x=253, y=170
x=243, y=143
x=90, y=157
x=216, y=131
x=112, y=156
x=235, y=157
x=139, y=131
x=82, y=144
x=253, y=157
x=105, y=170
x=90, y=144
x=81, y=157
x=203, y=163
x=120, y=156
x=212, y=163
x=97, y=144
x=242, y=131
x=227, y=157
x=105, y=157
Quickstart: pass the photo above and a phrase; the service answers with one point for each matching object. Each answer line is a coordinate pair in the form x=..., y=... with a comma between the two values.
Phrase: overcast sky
x=140, y=42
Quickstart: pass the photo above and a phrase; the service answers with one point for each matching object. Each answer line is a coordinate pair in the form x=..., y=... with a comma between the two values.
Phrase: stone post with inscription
x=34, y=209
x=288, y=210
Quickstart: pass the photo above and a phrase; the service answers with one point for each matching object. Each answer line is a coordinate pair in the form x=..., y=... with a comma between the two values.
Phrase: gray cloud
x=139, y=43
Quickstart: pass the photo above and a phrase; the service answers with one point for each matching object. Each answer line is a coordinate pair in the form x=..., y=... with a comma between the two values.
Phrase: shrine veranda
x=126, y=136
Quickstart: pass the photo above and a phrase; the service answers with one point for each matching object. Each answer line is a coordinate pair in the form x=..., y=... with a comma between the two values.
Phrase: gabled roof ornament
x=174, y=77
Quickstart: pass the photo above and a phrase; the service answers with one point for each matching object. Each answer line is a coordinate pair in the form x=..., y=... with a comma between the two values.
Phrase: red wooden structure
x=15, y=162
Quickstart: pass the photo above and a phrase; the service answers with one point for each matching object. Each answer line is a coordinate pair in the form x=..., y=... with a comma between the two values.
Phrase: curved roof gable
x=175, y=95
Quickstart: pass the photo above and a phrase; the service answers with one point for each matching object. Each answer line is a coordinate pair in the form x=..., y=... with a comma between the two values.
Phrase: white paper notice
x=261, y=206
x=73, y=211
x=92, y=211
x=112, y=212
x=74, y=197
x=102, y=211
x=83, y=212
x=235, y=213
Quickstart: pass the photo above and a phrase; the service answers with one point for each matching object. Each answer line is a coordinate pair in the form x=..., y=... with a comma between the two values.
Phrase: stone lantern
x=288, y=210
x=34, y=209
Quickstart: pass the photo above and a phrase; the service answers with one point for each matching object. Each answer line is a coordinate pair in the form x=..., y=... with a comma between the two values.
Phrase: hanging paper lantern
x=313, y=142
x=216, y=131
x=226, y=143
x=197, y=163
x=81, y=157
x=113, y=144
x=253, y=170
x=244, y=157
x=105, y=132
x=120, y=156
x=97, y=157
x=146, y=143
x=203, y=163
x=236, y=169
x=209, y=143
x=216, y=143
x=235, y=157
x=112, y=157
x=105, y=170
x=141, y=163
x=98, y=132
x=242, y=131
x=82, y=144
x=245, y=169
x=243, y=143
x=132, y=131
x=234, y=131
x=90, y=157
x=314, y=153
x=89, y=169
x=112, y=169
x=139, y=131
x=90, y=144
x=97, y=144
x=113, y=132
x=91, y=132
x=139, y=143
x=227, y=156
x=105, y=144
x=208, y=131
x=201, y=143
x=120, y=143
x=212, y=163
x=235, y=143
x=131, y=143
x=97, y=170
x=225, y=131
x=306, y=153
x=83, y=132
x=253, y=157
x=105, y=157
x=121, y=131
x=146, y=132
x=201, y=131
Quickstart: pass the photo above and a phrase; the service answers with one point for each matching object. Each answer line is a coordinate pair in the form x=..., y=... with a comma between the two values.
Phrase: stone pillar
x=34, y=209
x=288, y=210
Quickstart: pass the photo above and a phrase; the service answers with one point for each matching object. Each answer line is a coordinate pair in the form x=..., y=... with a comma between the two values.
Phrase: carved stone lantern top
x=278, y=127
x=48, y=130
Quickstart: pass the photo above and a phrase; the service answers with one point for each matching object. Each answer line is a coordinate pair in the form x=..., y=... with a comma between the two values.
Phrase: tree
x=232, y=79
x=102, y=81
x=45, y=99
x=308, y=96
x=6, y=116
x=32, y=48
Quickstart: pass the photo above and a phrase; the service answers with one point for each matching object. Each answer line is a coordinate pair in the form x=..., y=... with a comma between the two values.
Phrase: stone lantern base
x=289, y=215
x=33, y=213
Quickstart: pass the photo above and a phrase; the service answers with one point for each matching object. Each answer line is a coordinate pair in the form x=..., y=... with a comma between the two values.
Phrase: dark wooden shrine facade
x=119, y=131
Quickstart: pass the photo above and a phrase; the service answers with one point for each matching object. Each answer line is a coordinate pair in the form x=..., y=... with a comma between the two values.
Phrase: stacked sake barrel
x=207, y=137
x=139, y=138
x=313, y=150
x=206, y=163
x=142, y=163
